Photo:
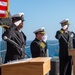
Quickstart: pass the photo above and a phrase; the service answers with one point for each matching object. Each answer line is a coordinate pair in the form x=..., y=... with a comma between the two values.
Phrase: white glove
x=64, y=27
x=44, y=38
x=17, y=23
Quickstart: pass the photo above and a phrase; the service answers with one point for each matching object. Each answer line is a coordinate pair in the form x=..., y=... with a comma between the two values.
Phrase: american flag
x=3, y=8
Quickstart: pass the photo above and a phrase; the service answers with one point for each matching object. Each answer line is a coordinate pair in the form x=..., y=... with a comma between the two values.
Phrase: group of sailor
x=16, y=41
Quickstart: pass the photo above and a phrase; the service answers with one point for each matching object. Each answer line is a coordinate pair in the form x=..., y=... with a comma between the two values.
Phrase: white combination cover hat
x=65, y=20
x=41, y=30
x=18, y=15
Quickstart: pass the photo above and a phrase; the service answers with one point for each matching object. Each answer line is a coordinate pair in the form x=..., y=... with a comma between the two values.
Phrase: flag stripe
x=2, y=12
x=4, y=0
x=3, y=3
x=3, y=8
x=2, y=15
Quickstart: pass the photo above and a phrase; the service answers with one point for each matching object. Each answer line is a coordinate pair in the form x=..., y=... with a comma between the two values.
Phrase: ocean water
x=52, y=45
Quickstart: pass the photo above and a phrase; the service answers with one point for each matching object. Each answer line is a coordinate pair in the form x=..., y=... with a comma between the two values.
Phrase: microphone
x=11, y=41
x=5, y=37
x=15, y=44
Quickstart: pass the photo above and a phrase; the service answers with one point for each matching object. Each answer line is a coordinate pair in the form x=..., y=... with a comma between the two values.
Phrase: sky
x=43, y=13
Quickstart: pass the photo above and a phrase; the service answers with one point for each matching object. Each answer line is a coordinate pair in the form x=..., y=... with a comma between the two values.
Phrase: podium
x=72, y=53
x=31, y=66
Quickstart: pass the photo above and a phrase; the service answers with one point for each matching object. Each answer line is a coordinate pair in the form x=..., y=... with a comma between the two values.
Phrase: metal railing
x=2, y=52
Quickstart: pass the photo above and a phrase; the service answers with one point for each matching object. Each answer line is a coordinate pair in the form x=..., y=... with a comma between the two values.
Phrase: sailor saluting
x=65, y=38
x=38, y=46
x=15, y=38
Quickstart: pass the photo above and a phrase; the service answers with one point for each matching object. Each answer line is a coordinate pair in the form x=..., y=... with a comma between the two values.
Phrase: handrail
x=2, y=51
x=5, y=49
x=54, y=44
x=29, y=46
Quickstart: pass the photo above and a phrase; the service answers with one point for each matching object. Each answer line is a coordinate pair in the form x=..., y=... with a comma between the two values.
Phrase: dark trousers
x=65, y=65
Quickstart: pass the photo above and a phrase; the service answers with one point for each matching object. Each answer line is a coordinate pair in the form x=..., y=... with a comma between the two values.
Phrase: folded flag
x=4, y=8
